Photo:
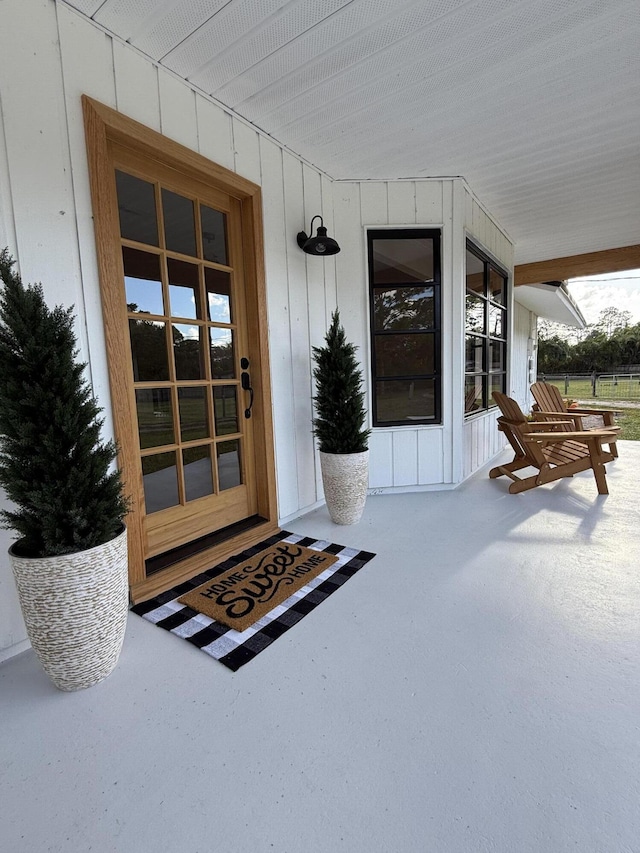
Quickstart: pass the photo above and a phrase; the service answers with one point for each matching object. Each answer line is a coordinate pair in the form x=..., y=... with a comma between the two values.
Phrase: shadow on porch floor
x=476, y=687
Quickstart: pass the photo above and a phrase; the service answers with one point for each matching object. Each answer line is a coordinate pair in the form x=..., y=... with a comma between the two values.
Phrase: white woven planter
x=75, y=609
x=345, y=477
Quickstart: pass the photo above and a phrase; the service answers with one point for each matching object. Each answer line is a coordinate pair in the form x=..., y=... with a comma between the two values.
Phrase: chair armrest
x=542, y=425
x=607, y=415
x=576, y=418
x=595, y=411
x=576, y=435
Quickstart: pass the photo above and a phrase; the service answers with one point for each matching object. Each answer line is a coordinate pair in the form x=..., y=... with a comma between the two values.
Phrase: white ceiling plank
x=535, y=102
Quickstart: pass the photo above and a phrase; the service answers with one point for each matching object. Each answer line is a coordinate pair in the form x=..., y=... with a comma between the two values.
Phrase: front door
x=194, y=427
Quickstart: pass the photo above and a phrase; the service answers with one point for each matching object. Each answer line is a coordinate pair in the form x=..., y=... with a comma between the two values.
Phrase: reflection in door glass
x=142, y=281
x=228, y=453
x=194, y=418
x=160, y=479
x=221, y=347
x=198, y=479
x=137, y=209
x=155, y=416
x=214, y=235
x=187, y=349
x=218, y=287
x=225, y=408
x=183, y=289
x=149, y=350
x=179, y=226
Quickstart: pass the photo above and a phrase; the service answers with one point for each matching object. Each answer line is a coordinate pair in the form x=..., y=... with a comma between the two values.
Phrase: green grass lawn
x=627, y=419
x=630, y=425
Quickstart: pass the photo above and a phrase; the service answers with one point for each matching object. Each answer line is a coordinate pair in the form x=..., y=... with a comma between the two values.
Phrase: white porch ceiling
x=535, y=102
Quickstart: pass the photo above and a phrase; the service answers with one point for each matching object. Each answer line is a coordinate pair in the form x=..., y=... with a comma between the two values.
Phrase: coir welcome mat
x=243, y=594
x=311, y=584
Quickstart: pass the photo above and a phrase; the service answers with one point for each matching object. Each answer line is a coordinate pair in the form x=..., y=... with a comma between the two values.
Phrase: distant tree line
x=611, y=345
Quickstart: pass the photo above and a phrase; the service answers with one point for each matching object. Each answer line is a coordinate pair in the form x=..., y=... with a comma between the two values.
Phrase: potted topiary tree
x=70, y=561
x=339, y=425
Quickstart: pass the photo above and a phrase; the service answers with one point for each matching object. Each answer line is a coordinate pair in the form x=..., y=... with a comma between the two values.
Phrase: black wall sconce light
x=320, y=244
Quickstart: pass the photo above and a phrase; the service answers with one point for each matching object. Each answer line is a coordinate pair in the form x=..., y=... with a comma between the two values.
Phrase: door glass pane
x=229, y=472
x=473, y=354
x=402, y=260
x=155, y=416
x=149, y=350
x=403, y=308
x=179, y=225
x=472, y=393
x=475, y=274
x=194, y=416
x=405, y=400
x=225, y=408
x=187, y=349
x=214, y=235
x=198, y=479
x=404, y=355
x=496, y=327
x=184, y=290
x=474, y=319
x=218, y=287
x=160, y=478
x=137, y=209
x=222, y=358
x=497, y=286
x=142, y=282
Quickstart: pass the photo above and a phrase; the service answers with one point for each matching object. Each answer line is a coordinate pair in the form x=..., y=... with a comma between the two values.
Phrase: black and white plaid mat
x=235, y=648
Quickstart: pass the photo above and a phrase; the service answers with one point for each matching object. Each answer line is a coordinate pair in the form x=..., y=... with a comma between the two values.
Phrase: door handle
x=245, y=381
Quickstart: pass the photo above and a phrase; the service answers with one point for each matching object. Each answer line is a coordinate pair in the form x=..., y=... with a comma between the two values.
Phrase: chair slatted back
x=509, y=408
x=548, y=397
x=512, y=424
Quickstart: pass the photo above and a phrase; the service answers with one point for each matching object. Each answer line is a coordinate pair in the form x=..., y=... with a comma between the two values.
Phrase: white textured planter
x=75, y=609
x=345, y=477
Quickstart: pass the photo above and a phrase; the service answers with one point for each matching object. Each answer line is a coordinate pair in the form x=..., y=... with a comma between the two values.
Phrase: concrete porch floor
x=476, y=687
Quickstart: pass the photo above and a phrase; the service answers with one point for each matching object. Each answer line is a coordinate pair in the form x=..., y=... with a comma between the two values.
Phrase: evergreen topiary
x=53, y=466
x=339, y=400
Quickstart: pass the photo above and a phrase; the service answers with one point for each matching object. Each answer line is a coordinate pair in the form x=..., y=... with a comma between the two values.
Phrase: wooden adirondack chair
x=550, y=406
x=554, y=452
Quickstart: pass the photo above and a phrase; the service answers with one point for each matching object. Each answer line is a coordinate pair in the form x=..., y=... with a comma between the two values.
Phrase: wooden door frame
x=104, y=125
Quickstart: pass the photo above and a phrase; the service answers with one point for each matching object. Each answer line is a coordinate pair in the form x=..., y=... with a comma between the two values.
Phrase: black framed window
x=485, y=330
x=404, y=293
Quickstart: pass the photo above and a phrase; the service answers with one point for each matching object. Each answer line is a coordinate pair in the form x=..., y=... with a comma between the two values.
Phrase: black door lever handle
x=245, y=381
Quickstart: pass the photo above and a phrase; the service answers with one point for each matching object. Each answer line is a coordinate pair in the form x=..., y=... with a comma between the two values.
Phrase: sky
x=618, y=289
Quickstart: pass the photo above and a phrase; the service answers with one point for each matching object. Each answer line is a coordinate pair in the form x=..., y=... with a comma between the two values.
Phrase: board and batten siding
x=46, y=217
x=523, y=348
x=424, y=456
x=400, y=458
x=481, y=440
x=46, y=221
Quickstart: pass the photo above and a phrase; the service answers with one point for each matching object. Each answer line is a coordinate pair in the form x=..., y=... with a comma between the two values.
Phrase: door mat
x=243, y=594
x=234, y=647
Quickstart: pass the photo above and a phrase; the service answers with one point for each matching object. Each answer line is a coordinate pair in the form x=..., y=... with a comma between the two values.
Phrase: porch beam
x=592, y=263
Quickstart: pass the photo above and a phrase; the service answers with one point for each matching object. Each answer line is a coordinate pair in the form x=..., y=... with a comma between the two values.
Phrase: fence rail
x=608, y=386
